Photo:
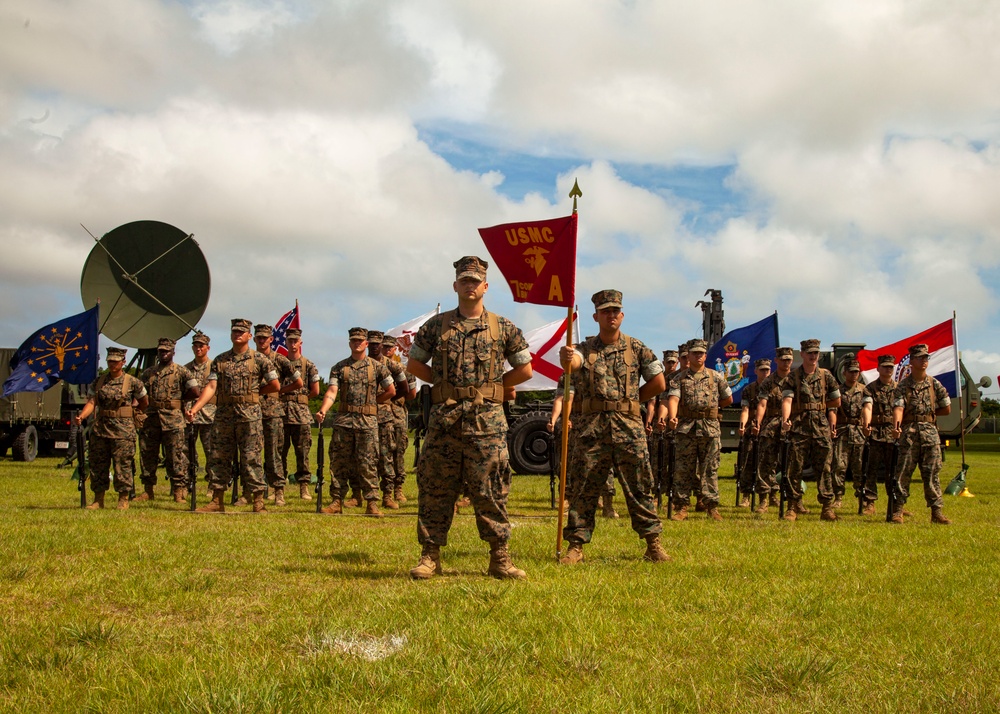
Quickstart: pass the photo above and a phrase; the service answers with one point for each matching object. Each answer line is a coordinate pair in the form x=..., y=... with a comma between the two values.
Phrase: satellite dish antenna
x=152, y=281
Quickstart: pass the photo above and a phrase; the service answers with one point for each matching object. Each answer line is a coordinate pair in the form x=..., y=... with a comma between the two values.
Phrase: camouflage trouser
x=847, y=457
x=697, y=467
x=914, y=453
x=273, y=432
x=107, y=452
x=231, y=440
x=203, y=432
x=817, y=453
x=399, y=454
x=298, y=437
x=879, y=461
x=353, y=461
x=575, y=465
x=174, y=451
x=630, y=463
x=768, y=464
x=386, y=455
x=452, y=463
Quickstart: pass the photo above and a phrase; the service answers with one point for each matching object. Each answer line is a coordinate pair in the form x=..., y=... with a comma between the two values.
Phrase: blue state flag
x=65, y=350
x=734, y=354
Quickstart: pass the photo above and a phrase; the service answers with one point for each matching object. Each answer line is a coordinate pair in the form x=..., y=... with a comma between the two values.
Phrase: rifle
x=891, y=484
x=784, y=486
x=741, y=464
x=320, y=464
x=192, y=439
x=671, y=464
x=236, y=477
x=658, y=476
x=81, y=464
x=754, y=470
x=865, y=466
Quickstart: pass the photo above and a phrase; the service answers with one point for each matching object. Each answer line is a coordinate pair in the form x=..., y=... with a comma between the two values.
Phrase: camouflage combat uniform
x=466, y=446
x=749, y=481
x=849, y=446
x=401, y=423
x=769, y=440
x=881, y=444
x=204, y=420
x=272, y=411
x=165, y=425
x=238, y=431
x=699, y=436
x=920, y=444
x=387, y=426
x=354, y=437
x=112, y=437
x=810, y=439
x=298, y=419
x=611, y=436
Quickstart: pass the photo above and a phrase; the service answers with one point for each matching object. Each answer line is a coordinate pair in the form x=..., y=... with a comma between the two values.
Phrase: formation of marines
x=245, y=402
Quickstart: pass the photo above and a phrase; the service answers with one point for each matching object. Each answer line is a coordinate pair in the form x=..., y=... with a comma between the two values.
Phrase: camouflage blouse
x=880, y=396
x=296, y=403
x=809, y=401
x=849, y=415
x=915, y=398
x=238, y=379
x=206, y=415
x=365, y=378
x=112, y=394
x=165, y=385
x=699, y=391
x=271, y=406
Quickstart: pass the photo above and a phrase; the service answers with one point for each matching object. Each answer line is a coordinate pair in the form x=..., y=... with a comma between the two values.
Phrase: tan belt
x=369, y=409
x=167, y=404
x=848, y=421
x=882, y=421
x=919, y=418
x=298, y=398
x=241, y=399
x=810, y=407
x=447, y=393
x=120, y=412
x=709, y=413
x=623, y=406
x=270, y=395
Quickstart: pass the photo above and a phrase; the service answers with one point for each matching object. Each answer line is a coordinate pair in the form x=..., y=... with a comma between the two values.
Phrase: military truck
x=38, y=422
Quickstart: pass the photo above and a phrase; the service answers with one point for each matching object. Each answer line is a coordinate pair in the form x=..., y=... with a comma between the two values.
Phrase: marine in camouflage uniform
x=204, y=421
x=167, y=383
x=237, y=378
x=661, y=420
x=298, y=419
x=877, y=422
x=671, y=361
x=272, y=411
x=466, y=446
x=362, y=384
x=749, y=479
x=767, y=425
x=810, y=398
x=610, y=434
x=387, y=421
x=112, y=436
x=849, y=444
x=917, y=402
x=693, y=404
x=401, y=421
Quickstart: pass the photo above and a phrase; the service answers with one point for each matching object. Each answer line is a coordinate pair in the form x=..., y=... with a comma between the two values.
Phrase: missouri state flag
x=538, y=259
x=736, y=351
x=65, y=350
x=942, y=344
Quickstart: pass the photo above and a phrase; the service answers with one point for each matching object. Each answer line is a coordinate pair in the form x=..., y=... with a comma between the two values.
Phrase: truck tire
x=25, y=447
x=529, y=443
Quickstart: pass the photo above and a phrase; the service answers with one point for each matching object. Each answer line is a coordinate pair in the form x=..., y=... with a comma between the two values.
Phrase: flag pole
x=564, y=445
x=958, y=383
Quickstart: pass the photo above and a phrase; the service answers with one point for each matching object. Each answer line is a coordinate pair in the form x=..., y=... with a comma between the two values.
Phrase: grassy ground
x=156, y=609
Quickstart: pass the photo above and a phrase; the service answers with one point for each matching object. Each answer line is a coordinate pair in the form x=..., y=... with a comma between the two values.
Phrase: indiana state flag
x=65, y=350
x=734, y=354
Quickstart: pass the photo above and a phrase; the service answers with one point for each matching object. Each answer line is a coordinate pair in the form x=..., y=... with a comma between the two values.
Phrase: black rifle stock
x=81, y=462
x=192, y=447
x=236, y=477
x=754, y=470
x=891, y=484
x=741, y=464
x=553, y=467
x=866, y=457
x=784, y=489
x=671, y=464
x=320, y=465
x=658, y=476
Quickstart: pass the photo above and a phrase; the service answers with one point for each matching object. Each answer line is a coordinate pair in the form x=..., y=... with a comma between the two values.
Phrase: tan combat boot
x=801, y=508
x=762, y=504
x=790, y=514
x=216, y=504
x=838, y=502
x=713, y=512
x=98, y=501
x=180, y=494
x=430, y=563
x=146, y=495
x=654, y=551
x=869, y=508
x=699, y=506
x=397, y=495
x=745, y=501
x=609, y=507
x=245, y=498
x=574, y=555
x=355, y=500
x=304, y=491
x=772, y=499
x=258, y=502
x=501, y=566
x=372, y=509
x=279, y=496
x=938, y=517
x=335, y=507
x=828, y=513
x=388, y=502
x=680, y=513
x=897, y=514
x=123, y=501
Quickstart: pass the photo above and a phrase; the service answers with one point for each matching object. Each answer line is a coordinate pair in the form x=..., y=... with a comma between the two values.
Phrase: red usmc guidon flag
x=538, y=259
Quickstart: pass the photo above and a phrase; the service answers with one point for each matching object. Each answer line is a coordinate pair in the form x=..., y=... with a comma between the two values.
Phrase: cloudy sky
x=837, y=162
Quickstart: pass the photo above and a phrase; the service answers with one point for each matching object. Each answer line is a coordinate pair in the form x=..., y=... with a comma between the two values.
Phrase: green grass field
x=157, y=609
